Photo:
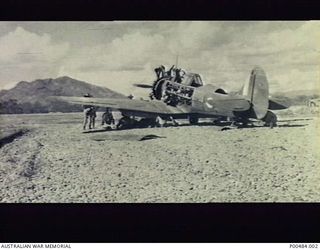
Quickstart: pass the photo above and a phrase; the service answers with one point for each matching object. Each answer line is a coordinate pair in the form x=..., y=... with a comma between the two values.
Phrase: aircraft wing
x=134, y=106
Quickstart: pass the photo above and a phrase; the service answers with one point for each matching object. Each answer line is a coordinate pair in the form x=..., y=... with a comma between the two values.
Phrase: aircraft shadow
x=97, y=130
x=126, y=137
x=150, y=137
x=226, y=125
x=203, y=124
x=200, y=124
x=292, y=125
x=297, y=119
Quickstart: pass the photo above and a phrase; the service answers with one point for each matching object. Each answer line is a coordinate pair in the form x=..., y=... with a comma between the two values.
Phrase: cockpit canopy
x=221, y=91
x=192, y=79
x=209, y=88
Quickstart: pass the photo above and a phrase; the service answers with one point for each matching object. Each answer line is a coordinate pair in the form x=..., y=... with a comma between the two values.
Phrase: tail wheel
x=270, y=119
x=193, y=120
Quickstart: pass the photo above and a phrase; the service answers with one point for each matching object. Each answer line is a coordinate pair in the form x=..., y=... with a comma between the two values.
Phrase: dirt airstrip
x=55, y=162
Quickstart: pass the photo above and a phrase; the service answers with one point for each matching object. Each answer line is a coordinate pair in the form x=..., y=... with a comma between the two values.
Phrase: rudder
x=257, y=92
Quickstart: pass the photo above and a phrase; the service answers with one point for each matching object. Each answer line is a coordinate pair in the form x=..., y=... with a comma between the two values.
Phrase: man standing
x=160, y=71
x=92, y=115
x=89, y=114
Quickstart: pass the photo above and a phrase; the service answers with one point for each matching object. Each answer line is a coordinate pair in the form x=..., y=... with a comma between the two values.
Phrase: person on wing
x=171, y=72
x=179, y=74
x=160, y=72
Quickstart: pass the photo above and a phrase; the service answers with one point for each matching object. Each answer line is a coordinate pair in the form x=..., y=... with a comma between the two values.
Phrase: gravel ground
x=56, y=162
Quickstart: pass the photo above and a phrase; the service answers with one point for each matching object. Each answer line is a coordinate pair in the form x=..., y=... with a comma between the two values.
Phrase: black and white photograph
x=159, y=111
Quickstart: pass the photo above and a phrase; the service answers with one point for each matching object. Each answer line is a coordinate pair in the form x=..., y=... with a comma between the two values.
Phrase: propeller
x=142, y=85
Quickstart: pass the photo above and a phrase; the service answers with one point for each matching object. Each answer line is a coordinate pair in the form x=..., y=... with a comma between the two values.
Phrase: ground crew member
x=107, y=117
x=92, y=115
x=160, y=71
x=89, y=114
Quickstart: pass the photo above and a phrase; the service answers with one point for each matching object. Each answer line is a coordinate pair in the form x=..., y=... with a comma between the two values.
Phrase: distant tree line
x=10, y=107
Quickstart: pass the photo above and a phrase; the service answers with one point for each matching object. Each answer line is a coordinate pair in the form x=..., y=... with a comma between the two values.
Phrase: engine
x=175, y=87
x=172, y=93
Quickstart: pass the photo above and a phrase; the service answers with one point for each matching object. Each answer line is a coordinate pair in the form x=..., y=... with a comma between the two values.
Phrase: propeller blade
x=142, y=85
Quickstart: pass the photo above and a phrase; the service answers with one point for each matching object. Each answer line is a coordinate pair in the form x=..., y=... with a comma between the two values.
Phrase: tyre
x=193, y=120
x=270, y=119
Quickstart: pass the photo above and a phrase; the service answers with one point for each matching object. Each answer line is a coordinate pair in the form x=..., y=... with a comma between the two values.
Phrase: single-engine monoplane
x=177, y=94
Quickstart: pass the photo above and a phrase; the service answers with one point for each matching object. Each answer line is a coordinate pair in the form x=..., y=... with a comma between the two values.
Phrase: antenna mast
x=177, y=60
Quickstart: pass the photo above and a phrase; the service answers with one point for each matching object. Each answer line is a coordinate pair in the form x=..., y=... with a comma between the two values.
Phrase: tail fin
x=257, y=92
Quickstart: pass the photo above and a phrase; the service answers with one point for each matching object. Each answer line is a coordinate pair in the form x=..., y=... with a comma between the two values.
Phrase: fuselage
x=210, y=100
x=192, y=97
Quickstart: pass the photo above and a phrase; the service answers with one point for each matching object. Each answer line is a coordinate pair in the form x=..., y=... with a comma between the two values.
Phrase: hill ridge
x=31, y=97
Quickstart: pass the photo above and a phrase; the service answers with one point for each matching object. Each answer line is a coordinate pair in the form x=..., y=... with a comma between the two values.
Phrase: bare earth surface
x=56, y=162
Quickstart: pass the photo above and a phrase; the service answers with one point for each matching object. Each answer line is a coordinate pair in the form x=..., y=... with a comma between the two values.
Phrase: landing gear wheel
x=244, y=123
x=273, y=122
x=217, y=121
x=270, y=119
x=126, y=123
x=193, y=120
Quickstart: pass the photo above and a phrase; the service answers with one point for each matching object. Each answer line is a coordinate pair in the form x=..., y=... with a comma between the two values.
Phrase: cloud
x=26, y=56
x=127, y=52
x=290, y=55
x=19, y=43
x=132, y=57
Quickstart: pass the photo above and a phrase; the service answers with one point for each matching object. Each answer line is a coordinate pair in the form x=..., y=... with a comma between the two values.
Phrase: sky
x=119, y=54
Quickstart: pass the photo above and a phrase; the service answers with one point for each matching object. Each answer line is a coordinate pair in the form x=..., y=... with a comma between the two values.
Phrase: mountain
x=31, y=97
x=294, y=93
x=297, y=97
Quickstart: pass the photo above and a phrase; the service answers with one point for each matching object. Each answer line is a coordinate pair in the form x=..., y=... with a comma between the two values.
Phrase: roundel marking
x=210, y=106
